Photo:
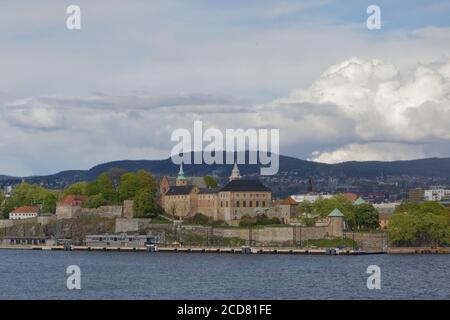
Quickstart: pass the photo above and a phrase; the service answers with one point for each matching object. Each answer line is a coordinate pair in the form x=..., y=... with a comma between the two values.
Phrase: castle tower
x=235, y=174
x=181, y=179
x=336, y=223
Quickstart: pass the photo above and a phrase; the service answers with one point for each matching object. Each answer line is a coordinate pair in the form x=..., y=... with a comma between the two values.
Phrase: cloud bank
x=356, y=110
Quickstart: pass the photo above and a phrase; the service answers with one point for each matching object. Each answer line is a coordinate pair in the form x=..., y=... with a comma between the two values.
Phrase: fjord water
x=120, y=275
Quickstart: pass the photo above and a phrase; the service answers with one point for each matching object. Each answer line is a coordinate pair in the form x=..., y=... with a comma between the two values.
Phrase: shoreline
x=233, y=250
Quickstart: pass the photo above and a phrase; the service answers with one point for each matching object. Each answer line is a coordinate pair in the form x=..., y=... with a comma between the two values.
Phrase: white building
x=26, y=212
x=310, y=197
x=436, y=194
x=386, y=208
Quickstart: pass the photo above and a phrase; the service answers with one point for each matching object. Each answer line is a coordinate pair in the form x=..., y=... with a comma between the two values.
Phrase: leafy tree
x=95, y=201
x=77, y=189
x=26, y=194
x=357, y=217
x=402, y=229
x=115, y=174
x=49, y=203
x=104, y=186
x=199, y=219
x=92, y=188
x=210, y=182
x=426, y=223
x=145, y=204
x=146, y=181
x=366, y=217
x=259, y=220
x=128, y=186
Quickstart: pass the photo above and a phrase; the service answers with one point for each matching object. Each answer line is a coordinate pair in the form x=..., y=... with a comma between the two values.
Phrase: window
x=226, y=204
x=221, y=203
x=244, y=204
x=251, y=204
x=257, y=203
x=237, y=204
x=264, y=204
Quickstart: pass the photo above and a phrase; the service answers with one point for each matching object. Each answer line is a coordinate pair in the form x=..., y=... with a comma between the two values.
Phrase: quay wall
x=369, y=240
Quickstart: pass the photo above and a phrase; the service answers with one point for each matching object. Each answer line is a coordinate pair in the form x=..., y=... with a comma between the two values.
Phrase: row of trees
x=108, y=189
x=26, y=194
x=422, y=224
x=357, y=217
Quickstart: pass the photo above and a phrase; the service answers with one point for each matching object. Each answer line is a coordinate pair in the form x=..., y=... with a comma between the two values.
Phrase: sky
x=138, y=70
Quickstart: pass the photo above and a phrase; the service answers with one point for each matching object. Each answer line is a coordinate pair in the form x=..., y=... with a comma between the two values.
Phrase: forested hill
x=432, y=167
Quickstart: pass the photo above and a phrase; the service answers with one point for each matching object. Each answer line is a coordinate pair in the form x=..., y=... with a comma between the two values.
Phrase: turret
x=235, y=174
x=181, y=179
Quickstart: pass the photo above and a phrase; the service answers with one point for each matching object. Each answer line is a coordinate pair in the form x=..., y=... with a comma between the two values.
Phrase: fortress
x=237, y=198
x=184, y=197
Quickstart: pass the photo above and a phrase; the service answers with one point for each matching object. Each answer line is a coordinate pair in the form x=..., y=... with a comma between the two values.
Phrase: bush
x=199, y=219
x=259, y=220
x=95, y=201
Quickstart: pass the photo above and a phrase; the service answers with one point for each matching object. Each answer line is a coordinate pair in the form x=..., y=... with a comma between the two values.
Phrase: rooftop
x=245, y=185
x=179, y=190
x=26, y=209
x=336, y=213
x=72, y=200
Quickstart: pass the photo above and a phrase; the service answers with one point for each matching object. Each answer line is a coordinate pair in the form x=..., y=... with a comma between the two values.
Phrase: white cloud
x=370, y=152
x=380, y=104
x=356, y=110
x=28, y=115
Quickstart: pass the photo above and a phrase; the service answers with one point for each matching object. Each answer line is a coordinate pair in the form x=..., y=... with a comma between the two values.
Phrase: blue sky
x=140, y=69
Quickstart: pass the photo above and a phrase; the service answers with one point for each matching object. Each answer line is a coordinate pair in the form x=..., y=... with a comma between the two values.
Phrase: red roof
x=350, y=196
x=26, y=209
x=288, y=201
x=73, y=200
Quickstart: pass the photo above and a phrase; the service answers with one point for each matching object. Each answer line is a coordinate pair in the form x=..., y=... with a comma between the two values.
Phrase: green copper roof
x=359, y=201
x=181, y=173
x=336, y=213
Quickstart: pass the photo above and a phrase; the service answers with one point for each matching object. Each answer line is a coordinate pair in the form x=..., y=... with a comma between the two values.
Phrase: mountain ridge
x=427, y=167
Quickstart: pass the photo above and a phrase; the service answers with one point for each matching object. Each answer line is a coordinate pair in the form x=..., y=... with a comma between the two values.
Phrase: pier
x=217, y=250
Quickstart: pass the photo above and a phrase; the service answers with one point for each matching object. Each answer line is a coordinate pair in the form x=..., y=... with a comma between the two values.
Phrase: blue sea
x=120, y=275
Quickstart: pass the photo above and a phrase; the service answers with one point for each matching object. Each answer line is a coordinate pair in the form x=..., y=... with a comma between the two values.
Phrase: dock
x=419, y=250
x=188, y=249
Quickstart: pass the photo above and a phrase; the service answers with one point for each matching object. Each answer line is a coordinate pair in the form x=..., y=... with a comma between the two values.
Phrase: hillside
x=433, y=167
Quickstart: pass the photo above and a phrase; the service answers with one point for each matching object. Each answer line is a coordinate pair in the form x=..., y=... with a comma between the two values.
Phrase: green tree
x=95, y=201
x=128, y=186
x=146, y=181
x=145, y=204
x=210, y=182
x=402, y=229
x=115, y=174
x=77, y=189
x=103, y=186
x=49, y=203
x=26, y=194
x=366, y=217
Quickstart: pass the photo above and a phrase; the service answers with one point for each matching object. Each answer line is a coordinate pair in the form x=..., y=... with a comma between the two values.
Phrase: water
x=120, y=275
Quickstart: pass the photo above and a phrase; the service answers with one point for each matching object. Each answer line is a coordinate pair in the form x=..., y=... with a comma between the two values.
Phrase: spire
x=181, y=173
x=235, y=174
